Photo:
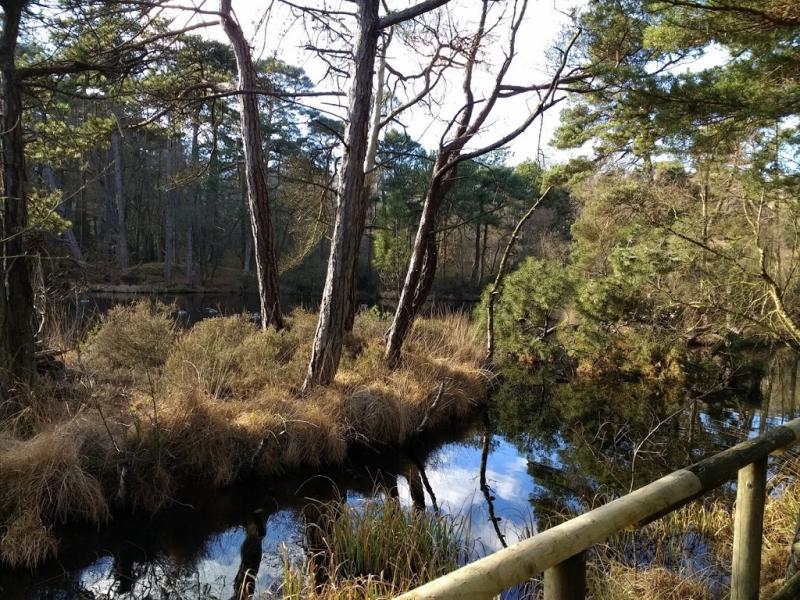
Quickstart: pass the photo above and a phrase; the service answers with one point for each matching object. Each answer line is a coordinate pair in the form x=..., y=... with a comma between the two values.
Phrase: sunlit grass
x=147, y=409
x=376, y=549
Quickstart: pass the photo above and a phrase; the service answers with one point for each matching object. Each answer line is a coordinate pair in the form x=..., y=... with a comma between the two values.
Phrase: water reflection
x=546, y=448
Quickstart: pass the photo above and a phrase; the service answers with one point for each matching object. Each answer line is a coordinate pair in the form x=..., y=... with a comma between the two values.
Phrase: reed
x=375, y=549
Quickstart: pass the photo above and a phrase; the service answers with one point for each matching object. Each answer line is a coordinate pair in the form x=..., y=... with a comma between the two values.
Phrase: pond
x=544, y=448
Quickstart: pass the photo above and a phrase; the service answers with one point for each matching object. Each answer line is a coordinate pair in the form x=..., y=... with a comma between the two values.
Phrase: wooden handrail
x=488, y=576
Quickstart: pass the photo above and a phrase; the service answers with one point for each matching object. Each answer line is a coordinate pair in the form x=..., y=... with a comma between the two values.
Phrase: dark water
x=191, y=308
x=544, y=448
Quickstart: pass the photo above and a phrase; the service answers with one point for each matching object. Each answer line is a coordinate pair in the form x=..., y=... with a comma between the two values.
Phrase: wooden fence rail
x=559, y=552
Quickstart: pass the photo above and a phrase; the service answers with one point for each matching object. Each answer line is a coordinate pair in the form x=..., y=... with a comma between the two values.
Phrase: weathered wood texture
x=492, y=574
x=255, y=163
x=748, y=526
x=351, y=209
x=566, y=581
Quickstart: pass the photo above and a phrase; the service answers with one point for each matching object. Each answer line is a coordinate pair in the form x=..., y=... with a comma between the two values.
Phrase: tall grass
x=655, y=562
x=375, y=550
x=149, y=409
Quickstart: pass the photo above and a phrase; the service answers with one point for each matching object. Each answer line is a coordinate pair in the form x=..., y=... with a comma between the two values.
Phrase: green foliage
x=531, y=304
x=43, y=211
x=401, y=547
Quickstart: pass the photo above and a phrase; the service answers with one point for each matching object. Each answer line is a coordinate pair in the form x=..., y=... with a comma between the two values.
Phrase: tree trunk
x=483, y=254
x=169, y=210
x=371, y=179
x=256, y=174
x=497, y=286
x=63, y=212
x=16, y=293
x=119, y=202
x=476, y=257
x=350, y=212
x=193, y=203
x=422, y=266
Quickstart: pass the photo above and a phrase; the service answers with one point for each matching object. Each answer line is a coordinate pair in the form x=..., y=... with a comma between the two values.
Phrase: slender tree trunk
x=119, y=202
x=16, y=293
x=497, y=286
x=350, y=212
x=169, y=210
x=483, y=253
x=476, y=257
x=256, y=174
x=422, y=265
x=193, y=203
x=63, y=212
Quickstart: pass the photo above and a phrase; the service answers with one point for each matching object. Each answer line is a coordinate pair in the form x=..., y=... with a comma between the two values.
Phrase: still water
x=545, y=447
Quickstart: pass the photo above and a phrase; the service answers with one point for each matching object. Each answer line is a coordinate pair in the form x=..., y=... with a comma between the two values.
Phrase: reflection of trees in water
x=592, y=439
x=250, y=556
x=151, y=554
x=486, y=490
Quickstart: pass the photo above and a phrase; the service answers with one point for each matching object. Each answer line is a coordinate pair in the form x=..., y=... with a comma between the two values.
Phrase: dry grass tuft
x=656, y=583
x=46, y=480
x=131, y=341
x=229, y=357
x=27, y=542
x=209, y=407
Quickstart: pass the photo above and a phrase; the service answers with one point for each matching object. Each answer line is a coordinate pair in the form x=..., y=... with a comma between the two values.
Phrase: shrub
x=532, y=301
x=130, y=340
x=228, y=357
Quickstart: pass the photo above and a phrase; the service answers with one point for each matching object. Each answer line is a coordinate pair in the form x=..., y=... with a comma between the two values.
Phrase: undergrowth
x=147, y=409
x=377, y=549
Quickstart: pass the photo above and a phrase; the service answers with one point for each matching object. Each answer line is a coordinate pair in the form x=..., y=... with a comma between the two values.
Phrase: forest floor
x=145, y=409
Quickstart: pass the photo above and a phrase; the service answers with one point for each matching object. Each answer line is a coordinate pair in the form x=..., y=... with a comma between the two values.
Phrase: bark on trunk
x=476, y=257
x=119, y=202
x=337, y=296
x=16, y=293
x=194, y=202
x=422, y=266
x=256, y=174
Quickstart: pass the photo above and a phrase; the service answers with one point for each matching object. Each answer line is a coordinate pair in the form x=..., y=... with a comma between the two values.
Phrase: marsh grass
x=375, y=549
x=686, y=554
x=148, y=409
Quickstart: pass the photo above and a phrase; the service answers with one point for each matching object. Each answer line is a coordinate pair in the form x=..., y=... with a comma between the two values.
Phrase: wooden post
x=747, y=531
x=510, y=566
x=567, y=580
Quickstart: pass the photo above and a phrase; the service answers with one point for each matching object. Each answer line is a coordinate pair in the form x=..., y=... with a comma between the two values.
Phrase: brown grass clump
x=46, y=481
x=131, y=341
x=229, y=357
x=656, y=583
x=211, y=406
